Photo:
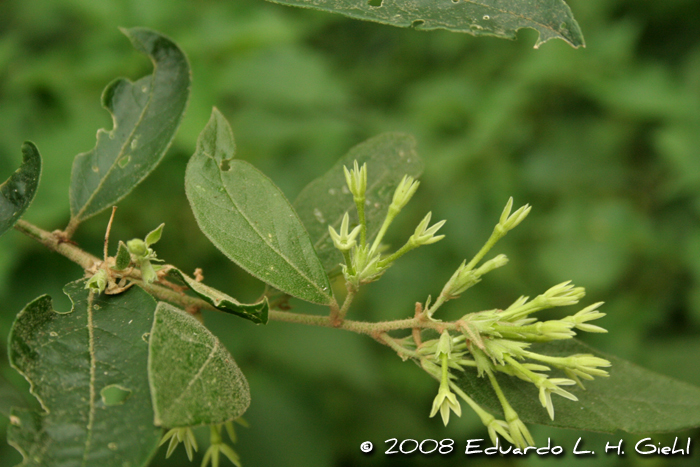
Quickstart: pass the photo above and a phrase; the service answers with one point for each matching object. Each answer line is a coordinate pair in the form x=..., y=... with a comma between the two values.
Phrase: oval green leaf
x=552, y=19
x=88, y=369
x=17, y=192
x=324, y=201
x=255, y=312
x=248, y=218
x=146, y=115
x=194, y=379
x=631, y=399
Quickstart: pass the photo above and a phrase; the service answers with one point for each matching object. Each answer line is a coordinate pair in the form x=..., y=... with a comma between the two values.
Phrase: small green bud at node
x=137, y=247
x=148, y=273
x=98, y=282
x=444, y=345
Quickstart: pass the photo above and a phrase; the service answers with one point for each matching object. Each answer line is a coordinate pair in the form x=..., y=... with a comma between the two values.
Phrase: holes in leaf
x=114, y=395
x=417, y=23
x=225, y=166
x=375, y=3
x=124, y=161
x=455, y=1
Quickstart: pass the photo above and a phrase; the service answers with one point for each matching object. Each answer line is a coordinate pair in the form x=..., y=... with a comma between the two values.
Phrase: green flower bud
x=148, y=273
x=424, y=235
x=507, y=221
x=98, y=282
x=404, y=192
x=137, y=247
x=579, y=320
x=344, y=241
x=356, y=180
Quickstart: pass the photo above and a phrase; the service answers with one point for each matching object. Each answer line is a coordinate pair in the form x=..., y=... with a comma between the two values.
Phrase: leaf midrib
x=264, y=239
x=128, y=141
x=91, y=352
x=198, y=375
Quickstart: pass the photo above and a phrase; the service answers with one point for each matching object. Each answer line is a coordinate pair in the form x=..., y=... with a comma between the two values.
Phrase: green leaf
x=123, y=257
x=631, y=399
x=154, y=235
x=324, y=201
x=248, y=218
x=255, y=312
x=501, y=18
x=88, y=369
x=194, y=379
x=146, y=115
x=17, y=192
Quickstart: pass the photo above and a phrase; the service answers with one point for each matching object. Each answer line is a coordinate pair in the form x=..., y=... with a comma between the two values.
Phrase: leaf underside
x=146, y=115
x=631, y=399
x=88, y=369
x=255, y=312
x=194, y=379
x=17, y=192
x=502, y=18
x=324, y=201
x=248, y=218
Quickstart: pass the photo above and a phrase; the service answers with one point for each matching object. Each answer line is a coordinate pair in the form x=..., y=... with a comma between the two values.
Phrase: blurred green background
x=602, y=141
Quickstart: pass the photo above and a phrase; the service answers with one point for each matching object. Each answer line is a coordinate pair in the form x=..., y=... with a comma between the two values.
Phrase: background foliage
x=602, y=141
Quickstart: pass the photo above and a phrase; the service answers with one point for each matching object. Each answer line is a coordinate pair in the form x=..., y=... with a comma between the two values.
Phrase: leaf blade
x=255, y=312
x=71, y=360
x=500, y=18
x=249, y=219
x=17, y=192
x=146, y=115
x=324, y=201
x=194, y=379
x=631, y=399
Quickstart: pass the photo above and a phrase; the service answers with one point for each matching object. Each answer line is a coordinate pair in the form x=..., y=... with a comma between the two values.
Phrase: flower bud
x=404, y=192
x=98, y=282
x=137, y=247
x=507, y=221
x=356, y=180
x=344, y=241
x=424, y=235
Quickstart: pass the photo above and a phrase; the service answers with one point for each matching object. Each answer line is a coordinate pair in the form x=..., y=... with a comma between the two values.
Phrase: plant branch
x=55, y=243
x=86, y=260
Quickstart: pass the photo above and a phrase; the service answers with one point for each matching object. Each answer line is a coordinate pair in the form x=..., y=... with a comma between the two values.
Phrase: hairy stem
x=54, y=242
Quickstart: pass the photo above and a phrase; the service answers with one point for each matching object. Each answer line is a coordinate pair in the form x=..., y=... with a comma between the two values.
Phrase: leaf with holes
x=255, y=312
x=17, y=192
x=146, y=115
x=552, y=19
x=194, y=379
x=631, y=399
x=248, y=218
x=88, y=369
x=324, y=201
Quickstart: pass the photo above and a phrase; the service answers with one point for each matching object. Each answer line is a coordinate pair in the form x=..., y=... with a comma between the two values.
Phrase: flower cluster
x=142, y=254
x=217, y=446
x=365, y=262
x=494, y=343
x=499, y=341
